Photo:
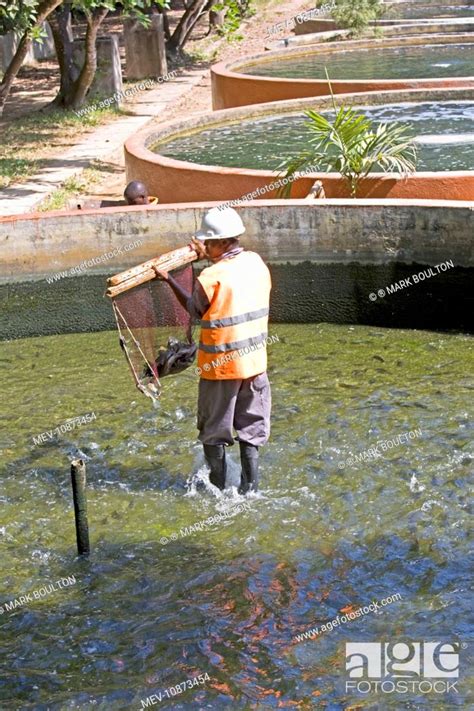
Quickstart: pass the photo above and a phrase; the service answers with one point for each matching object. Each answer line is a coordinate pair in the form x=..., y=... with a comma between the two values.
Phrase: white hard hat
x=220, y=224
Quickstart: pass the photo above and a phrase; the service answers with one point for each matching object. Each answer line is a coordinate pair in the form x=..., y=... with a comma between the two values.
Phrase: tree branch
x=86, y=77
x=187, y=23
x=44, y=9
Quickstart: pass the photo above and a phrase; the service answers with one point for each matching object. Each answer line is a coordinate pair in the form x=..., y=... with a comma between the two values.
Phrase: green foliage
x=18, y=15
x=353, y=145
x=236, y=11
x=199, y=55
x=73, y=187
x=12, y=169
x=133, y=8
x=357, y=15
x=58, y=199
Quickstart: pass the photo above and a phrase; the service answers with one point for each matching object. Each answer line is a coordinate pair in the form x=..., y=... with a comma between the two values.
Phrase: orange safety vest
x=235, y=326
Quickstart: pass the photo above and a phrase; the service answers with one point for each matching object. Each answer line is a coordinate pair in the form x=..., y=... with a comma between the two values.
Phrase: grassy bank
x=30, y=142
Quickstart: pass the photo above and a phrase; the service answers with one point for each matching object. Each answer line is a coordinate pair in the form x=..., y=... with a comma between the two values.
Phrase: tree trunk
x=75, y=97
x=44, y=9
x=63, y=43
x=187, y=23
x=205, y=10
x=156, y=9
x=166, y=24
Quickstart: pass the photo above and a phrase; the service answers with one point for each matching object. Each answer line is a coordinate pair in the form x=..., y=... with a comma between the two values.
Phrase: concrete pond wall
x=395, y=14
x=401, y=26
x=231, y=87
x=399, y=29
x=328, y=260
x=180, y=181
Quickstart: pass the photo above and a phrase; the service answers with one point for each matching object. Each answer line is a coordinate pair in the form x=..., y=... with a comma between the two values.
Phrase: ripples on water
x=229, y=600
x=445, y=134
x=424, y=10
x=416, y=61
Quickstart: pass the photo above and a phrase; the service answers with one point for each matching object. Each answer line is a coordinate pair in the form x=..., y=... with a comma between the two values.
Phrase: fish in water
x=177, y=356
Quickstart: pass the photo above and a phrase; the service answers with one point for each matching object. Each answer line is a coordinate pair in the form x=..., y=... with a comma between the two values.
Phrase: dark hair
x=135, y=189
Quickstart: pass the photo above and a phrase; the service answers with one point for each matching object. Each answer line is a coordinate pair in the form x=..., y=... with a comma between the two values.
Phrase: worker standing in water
x=231, y=298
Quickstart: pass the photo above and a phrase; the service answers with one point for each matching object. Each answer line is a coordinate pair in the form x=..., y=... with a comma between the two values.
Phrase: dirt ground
x=254, y=30
x=37, y=86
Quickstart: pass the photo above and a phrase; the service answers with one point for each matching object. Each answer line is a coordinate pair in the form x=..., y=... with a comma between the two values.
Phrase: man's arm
x=182, y=296
x=196, y=304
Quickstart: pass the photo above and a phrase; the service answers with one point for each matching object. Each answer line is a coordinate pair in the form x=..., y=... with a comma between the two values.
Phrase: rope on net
x=153, y=392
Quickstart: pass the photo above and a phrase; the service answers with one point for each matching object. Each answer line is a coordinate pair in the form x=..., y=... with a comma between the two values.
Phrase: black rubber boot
x=249, y=461
x=215, y=458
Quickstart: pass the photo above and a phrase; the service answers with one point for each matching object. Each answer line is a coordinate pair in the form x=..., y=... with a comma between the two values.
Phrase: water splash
x=435, y=139
x=415, y=485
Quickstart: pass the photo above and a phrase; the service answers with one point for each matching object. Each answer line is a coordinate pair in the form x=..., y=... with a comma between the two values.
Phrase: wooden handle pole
x=78, y=480
x=174, y=255
x=144, y=272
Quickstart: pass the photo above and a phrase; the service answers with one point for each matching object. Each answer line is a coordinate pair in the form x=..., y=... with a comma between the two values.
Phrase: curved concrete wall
x=325, y=260
x=326, y=23
x=316, y=31
x=179, y=181
x=231, y=87
x=429, y=3
x=396, y=30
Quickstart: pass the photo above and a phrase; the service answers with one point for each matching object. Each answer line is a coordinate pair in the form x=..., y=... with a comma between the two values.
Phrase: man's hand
x=160, y=274
x=199, y=248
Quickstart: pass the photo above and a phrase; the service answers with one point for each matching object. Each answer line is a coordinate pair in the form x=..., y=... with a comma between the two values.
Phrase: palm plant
x=352, y=145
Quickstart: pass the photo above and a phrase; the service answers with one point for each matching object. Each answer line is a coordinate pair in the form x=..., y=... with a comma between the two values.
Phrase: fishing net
x=156, y=332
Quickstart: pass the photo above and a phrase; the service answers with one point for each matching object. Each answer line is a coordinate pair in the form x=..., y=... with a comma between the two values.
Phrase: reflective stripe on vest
x=235, y=326
x=234, y=345
x=234, y=320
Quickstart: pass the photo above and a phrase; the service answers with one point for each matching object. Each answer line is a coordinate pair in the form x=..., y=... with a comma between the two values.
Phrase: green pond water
x=324, y=533
x=444, y=133
x=427, y=61
x=433, y=11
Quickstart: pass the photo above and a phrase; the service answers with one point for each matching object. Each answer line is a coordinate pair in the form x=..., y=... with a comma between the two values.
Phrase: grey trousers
x=243, y=405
